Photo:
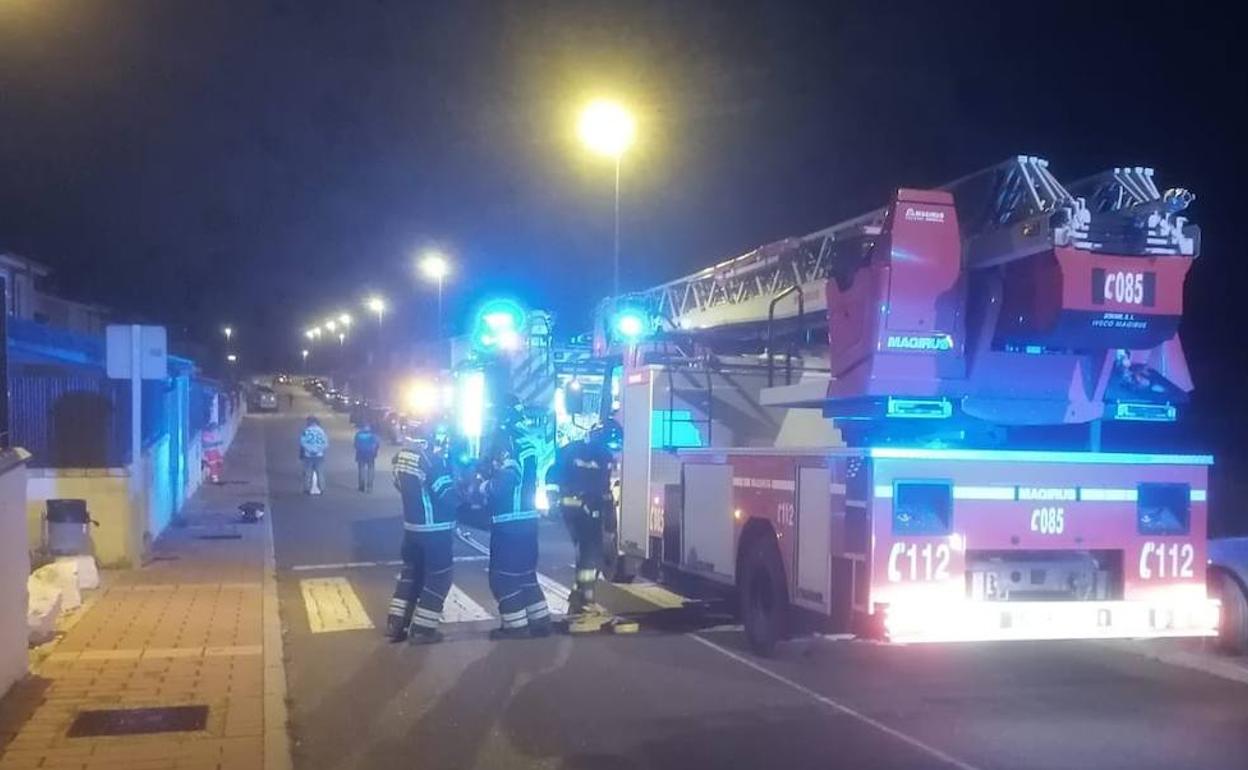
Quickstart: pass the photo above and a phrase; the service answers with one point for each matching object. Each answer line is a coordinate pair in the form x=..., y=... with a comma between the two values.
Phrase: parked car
x=262, y=399
x=341, y=402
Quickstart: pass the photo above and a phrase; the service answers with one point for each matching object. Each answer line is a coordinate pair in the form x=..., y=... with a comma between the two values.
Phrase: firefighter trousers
x=513, y=574
x=585, y=527
x=424, y=579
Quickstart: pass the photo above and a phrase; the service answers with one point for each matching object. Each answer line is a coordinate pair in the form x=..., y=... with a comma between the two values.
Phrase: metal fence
x=70, y=421
x=83, y=420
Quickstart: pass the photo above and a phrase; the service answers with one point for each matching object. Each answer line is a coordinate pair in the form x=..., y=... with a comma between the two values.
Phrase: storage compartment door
x=814, y=537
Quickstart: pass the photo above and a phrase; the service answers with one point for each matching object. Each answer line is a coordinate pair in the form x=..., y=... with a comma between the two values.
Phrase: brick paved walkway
x=189, y=629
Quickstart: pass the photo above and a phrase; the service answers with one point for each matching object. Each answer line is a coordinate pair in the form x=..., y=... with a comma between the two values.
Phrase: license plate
x=1136, y=288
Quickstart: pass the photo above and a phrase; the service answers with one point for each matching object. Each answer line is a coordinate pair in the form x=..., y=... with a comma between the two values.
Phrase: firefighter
x=582, y=485
x=513, y=547
x=422, y=474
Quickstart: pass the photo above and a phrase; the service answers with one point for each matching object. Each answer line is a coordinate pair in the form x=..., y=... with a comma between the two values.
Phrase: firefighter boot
x=396, y=630
x=501, y=634
x=421, y=635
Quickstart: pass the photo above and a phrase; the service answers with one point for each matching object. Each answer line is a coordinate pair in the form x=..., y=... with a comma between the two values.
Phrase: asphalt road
x=684, y=696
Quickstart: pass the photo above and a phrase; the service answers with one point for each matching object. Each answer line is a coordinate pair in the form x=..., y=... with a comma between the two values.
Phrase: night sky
x=265, y=163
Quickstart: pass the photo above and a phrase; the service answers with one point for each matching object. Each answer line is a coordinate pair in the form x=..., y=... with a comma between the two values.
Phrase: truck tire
x=762, y=595
x=1233, y=631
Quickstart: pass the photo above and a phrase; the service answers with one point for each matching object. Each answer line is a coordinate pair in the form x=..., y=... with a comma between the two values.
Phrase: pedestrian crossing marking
x=461, y=608
x=556, y=595
x=332, y=605
x=654, y=594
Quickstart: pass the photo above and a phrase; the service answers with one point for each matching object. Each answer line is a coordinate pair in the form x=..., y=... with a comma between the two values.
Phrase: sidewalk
x=198, y=626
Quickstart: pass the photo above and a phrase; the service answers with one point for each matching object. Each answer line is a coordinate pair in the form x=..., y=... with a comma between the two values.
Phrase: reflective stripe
x=434, y=527
x=1105, y=495
x=506, y=616
x=586, y=575
x=425, y=622
x=503, y=518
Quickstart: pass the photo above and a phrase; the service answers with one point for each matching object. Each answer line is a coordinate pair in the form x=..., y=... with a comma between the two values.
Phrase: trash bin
x=67, y=523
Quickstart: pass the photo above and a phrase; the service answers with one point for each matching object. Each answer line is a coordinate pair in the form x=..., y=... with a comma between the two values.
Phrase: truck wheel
x=761, y=592
x=1233, y=631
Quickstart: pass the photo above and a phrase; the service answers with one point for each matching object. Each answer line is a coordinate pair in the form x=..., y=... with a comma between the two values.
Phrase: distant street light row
x=433, y=266
x=605, y=127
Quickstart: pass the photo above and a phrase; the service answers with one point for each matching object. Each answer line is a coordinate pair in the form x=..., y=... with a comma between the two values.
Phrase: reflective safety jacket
x=503, y=494
x=427, y=487
x=581, y=477
x=525, y=450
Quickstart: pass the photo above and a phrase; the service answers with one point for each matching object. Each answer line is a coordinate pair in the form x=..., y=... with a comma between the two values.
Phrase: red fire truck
x=910, y=425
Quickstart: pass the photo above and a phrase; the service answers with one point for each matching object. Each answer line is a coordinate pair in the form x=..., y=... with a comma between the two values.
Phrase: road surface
x=676, y=696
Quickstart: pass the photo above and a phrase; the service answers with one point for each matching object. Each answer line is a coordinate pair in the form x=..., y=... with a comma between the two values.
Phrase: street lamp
x=345, y=320
x=304, y=354
x=232, y=358
x=228, y=331
x=342, y=338
x=377, y=306
x=435, y=267
x=332, y=325
x=311, y=333
x=608, y=129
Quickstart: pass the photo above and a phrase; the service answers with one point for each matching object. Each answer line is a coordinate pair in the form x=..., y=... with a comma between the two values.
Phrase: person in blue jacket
x=367, y=445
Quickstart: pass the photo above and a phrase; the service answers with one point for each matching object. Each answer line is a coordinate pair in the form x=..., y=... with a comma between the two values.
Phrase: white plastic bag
x=64, y=577
x=42, y=607
x=84, y=568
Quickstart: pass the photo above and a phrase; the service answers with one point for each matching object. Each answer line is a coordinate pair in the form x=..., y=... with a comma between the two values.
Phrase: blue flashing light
x=1031, y=456
x=499, y=325
x=630, y=324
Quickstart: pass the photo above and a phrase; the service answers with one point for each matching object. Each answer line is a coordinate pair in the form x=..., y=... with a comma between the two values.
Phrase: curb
x=277, y=754
x=1206, y=662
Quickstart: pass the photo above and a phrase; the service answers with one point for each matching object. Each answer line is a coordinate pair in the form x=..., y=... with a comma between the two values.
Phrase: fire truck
x=907, y=426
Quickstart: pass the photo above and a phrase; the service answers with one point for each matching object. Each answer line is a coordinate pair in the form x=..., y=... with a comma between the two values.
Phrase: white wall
x=127, y=525
x=14, y=568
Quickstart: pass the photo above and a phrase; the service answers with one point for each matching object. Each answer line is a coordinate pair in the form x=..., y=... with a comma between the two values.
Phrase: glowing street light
x=331, y=325
x=377, y=306
x=228, y=331
x=342, y=338
x=608, y=128
x=233, y=359
x=311, y=334
x=345, y=320
x=304, y=355
x=435, y=267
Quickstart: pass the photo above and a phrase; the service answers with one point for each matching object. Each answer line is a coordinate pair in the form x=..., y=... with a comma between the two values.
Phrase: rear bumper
x=966, y=621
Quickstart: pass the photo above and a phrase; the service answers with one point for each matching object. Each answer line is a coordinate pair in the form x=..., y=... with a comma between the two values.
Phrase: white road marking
x=460, y=608
x=332, y=605
x=841, y=708
x=556, y=593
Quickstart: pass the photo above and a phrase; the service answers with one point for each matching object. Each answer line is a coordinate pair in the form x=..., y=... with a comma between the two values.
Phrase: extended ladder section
x=741, y=290
x=1004, y=298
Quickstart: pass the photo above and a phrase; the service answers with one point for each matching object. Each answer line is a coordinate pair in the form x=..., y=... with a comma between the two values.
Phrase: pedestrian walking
x=367, y=445
x=313, y=443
